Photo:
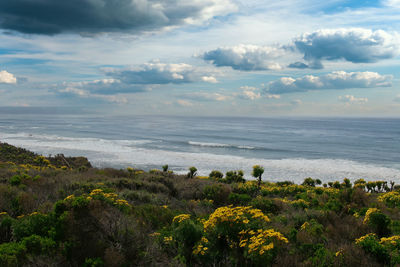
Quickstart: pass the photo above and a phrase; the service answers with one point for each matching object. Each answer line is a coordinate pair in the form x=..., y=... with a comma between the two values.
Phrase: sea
x=291, y=149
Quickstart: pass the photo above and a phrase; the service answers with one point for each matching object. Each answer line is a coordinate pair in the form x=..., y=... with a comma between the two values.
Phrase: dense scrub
x=62, y=212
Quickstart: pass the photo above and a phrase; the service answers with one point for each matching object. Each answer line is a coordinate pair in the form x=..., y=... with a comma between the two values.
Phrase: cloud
x=245, y=57
x=6, y=77
x=161, y=73
x=106, y=90
x=298, y=65
x=103, y=86
x=97, y=16
x=206, y=96
x=354, y=45
x=253, y=93
x=352, y=99
x=334, y=80
x=392, y=3
x=397, y=98
x=296, y=102
x=184, y=103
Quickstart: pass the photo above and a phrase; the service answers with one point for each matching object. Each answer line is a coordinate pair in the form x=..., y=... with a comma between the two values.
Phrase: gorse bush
x=60, y=211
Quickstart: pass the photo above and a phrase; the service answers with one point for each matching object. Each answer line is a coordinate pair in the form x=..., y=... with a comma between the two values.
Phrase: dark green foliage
x=96, y=262
x=265, y=204
x=380, y=223
x=234, y=177
x=165, y=168
x=192, y=172
x=15, y=180
x=239, y=199
x=309, y=182
x=216, y=175
x=219, y=193
x=257, y=173
x=186, y=234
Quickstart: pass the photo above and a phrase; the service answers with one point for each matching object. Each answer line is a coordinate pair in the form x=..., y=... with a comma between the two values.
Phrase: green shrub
x=265, y=204
x=12, y=254
x=216, y=175
x=93, y=262
x=370, y=244
x=219, y=193
x=235, y=177
x=35, y=224
x=39, y=245
x=15, y=180
x=192, y=172
x=257, y=173
x=239, y=199
x=380, y=223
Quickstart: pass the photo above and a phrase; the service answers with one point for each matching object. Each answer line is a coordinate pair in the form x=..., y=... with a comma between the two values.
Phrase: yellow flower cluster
x=361, y=239
x=122, y=202
x=200, y=249
x=368, y=214
x=272, y=189
x=3, y=213
x=261, y=241
x=168, y=239
x=202, y=177
x=304, y=226
x=180, y=218
x=34, y=213
x=110, y=196
x=339, y=253
x=386, y=241
x=234, y=215
x=392, y=197
x=393, y=240
x=69, y=197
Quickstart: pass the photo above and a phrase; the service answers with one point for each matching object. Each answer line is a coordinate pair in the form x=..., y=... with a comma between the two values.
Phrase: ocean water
x=288, y=148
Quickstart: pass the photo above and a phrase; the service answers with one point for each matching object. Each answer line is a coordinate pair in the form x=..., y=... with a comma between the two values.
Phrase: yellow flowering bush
x=392, y=199
x=261, y=241
x=372, y=245
x=181, y=218
x=230, y=231
x=98, y=194
x=367, y=217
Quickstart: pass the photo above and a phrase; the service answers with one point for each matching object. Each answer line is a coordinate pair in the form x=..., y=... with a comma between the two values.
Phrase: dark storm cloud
x=96, y=16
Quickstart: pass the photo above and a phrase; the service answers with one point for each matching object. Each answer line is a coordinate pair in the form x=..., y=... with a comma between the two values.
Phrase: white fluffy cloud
x=354, y=45
x=161, y=73
x=353, y=99
x=102, y=86
x=206, y=96
x=6, y=77
x=253, y=93
x=245, y=57
x=334, y=80
x=106, y=90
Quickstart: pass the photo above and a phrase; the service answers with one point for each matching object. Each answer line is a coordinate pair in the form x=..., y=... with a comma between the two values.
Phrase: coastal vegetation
x=61, y=211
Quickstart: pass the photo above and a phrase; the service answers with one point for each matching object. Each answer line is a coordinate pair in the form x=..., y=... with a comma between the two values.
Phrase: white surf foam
x=123, y=153
x=204, y=144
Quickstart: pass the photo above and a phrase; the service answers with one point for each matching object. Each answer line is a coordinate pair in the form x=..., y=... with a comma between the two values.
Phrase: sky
x=201, y=57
